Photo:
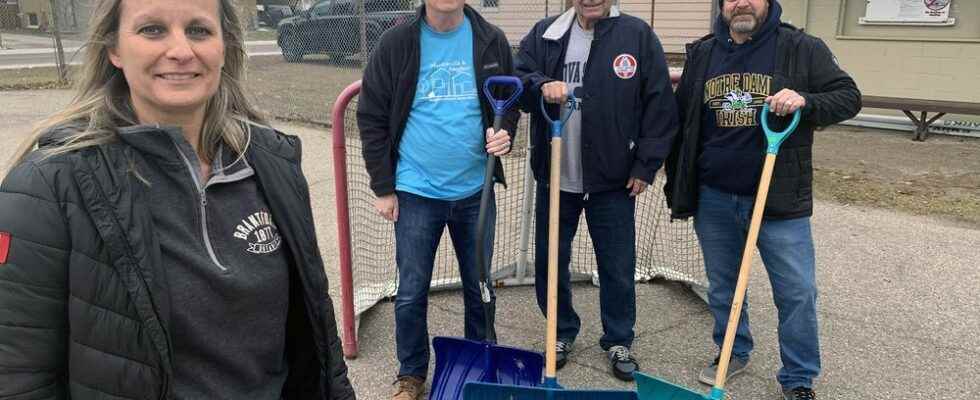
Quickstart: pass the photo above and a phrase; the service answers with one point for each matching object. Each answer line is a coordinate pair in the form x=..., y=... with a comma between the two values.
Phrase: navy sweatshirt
x=737, y=82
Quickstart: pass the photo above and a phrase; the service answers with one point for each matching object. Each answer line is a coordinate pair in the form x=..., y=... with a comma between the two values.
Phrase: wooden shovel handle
x=554, y=191
x=743, y=271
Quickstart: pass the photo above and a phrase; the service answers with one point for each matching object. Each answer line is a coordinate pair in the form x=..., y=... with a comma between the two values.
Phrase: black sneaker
x=562, y=350
x=622, y=362
x=799, y=393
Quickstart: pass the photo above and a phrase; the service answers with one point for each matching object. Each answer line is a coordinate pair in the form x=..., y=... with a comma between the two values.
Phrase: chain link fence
x=325, y=44
x=302, y=52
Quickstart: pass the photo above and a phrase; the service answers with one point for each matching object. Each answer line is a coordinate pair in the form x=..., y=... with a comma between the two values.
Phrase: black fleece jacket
x=388, y=90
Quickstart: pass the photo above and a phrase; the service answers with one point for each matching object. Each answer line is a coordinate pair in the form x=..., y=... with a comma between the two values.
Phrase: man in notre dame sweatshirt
x=713, y=170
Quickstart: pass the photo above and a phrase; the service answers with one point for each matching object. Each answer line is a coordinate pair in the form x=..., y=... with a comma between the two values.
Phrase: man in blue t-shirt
x=426, y=133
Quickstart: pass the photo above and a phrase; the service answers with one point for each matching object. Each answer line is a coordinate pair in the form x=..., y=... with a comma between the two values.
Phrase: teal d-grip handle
x=776, y=139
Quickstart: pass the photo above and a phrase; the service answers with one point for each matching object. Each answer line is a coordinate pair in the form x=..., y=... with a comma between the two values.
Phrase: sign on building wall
x=908, y=12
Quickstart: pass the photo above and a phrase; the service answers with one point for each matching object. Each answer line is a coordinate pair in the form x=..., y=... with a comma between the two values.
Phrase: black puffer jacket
x=84, y=300
x=803, y=63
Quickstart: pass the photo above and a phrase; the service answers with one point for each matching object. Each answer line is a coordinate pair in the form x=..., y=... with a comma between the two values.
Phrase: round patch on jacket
x=259, y=232
x=624, y=66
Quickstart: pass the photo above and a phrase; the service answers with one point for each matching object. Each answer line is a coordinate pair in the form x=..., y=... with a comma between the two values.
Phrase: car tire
x=292, y=50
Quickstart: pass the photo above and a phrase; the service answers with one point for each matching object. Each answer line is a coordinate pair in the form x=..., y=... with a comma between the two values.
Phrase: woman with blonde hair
x=156, y=237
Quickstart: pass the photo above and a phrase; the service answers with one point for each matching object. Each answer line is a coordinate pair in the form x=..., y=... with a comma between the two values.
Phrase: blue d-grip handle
x=558, y=124
x=776, y=139
x=501, y=106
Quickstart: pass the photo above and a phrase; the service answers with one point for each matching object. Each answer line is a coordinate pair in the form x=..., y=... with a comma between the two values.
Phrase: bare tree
x=59, y=49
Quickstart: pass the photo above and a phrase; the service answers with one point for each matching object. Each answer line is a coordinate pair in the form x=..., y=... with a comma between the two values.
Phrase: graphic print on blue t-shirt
x=448, y=81
x=442, y=153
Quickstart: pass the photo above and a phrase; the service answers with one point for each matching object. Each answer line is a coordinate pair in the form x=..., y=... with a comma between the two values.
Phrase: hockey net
x=368, y=273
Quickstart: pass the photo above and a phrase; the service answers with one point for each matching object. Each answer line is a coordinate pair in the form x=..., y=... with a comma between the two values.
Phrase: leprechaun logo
x=736, y=98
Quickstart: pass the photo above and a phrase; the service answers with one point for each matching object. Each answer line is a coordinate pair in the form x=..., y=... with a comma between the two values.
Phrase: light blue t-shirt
x=442, y=154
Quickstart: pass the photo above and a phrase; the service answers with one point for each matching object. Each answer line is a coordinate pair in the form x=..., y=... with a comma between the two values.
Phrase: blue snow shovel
x=461, y=360
x=653, y=388
x=551, y=390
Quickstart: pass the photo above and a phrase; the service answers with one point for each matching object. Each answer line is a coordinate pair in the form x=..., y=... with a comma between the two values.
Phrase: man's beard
x=744, y=25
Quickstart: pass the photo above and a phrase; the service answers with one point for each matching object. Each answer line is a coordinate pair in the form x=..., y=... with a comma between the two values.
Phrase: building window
x=32, y=20
x=908, y=12
x=490, y=3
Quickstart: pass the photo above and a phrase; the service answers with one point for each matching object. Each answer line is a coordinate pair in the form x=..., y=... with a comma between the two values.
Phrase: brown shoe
x=409, y=388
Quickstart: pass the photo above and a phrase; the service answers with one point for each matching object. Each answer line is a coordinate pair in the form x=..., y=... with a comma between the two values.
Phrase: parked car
x=270, y=14
x=332, y=27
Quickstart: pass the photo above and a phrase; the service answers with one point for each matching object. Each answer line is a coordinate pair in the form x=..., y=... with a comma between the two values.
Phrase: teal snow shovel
x=653, y=388
x=461, y=360
x=550, y=389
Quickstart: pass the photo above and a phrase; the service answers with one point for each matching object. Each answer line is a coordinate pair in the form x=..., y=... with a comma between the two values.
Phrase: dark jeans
x=418, y=230
x=722, y=224
x=610, y=217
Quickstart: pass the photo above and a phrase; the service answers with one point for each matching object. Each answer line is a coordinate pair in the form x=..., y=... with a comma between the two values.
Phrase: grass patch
x=260, y=35
x=303, y=91
x=44, y=34
x=32, y=78
x=931, y=194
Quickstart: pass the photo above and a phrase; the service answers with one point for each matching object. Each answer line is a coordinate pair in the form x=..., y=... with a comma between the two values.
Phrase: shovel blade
x=491, y=391
x=653, y=388
x=459, y=361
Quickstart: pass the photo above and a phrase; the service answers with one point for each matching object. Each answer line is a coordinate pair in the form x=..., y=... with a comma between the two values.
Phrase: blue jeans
x=610, y=217
x=722, y=223
x=418, y=231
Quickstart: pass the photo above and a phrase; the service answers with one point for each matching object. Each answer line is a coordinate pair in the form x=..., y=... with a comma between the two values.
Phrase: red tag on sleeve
x=4, y=246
